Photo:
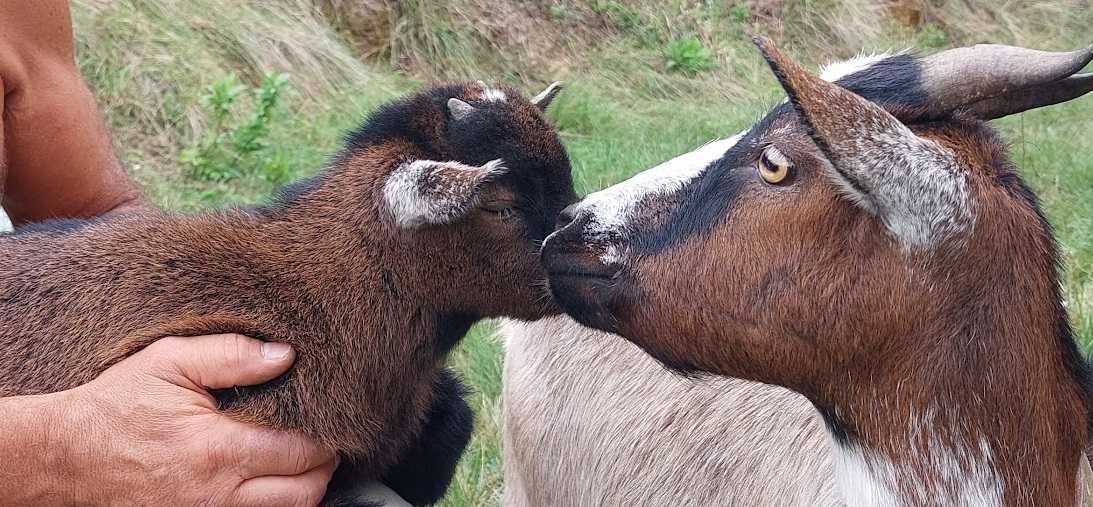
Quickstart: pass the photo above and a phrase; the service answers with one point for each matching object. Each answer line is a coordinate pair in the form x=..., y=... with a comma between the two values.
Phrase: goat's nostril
x=567, y=216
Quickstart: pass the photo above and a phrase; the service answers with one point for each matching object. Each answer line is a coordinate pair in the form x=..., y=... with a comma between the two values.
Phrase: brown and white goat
x=429, y=220
x=868, y=245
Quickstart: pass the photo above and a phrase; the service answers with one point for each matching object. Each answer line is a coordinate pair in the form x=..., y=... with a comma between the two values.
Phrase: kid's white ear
x=427, y=192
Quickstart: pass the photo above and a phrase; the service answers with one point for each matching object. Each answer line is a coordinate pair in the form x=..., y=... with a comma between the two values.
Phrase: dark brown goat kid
x=429, y=220
x=869, y=245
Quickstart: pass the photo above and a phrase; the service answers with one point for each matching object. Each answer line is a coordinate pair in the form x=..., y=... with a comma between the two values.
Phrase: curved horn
x=459, y=109
x=545, y=97
x=1032, y=98
x=963, y=76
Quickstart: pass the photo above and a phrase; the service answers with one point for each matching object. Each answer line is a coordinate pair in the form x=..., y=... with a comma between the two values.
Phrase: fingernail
x=275, y=351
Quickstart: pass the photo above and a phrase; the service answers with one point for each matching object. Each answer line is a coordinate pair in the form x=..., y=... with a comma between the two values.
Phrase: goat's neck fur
x=328, y=222
x=927, y=435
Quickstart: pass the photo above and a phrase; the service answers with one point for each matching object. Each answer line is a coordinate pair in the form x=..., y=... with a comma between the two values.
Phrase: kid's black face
x=496, y=122
x=484, y=123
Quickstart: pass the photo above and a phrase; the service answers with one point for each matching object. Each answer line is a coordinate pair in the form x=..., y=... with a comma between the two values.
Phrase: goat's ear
x=427, y=192
x=545, y=97
x=912, y=184
x=459, y=109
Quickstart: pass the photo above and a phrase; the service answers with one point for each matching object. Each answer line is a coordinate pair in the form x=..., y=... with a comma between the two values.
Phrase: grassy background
x=648, y=80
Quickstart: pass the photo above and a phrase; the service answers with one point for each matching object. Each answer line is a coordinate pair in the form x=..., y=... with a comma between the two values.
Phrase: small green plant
x=560, y=13
x=629, y=22
x=687, y=55
x=228, y=150
x=932, y=36
x=739, y=13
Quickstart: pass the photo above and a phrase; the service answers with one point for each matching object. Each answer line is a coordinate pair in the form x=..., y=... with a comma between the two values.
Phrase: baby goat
x=429, y=220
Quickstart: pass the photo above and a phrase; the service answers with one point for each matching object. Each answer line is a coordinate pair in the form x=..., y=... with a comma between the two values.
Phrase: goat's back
x=591, y=420
x=77, y=295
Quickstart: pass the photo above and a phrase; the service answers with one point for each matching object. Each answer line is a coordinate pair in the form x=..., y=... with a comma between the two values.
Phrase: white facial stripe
x=612, y=208
x=835, y=71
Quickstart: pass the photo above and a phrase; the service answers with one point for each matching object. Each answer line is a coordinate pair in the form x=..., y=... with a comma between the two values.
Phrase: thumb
x=221, y=361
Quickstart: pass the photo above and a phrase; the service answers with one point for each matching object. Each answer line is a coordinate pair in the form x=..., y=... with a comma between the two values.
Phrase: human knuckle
x=219, y=453
x=236, y=349
x=300, y=455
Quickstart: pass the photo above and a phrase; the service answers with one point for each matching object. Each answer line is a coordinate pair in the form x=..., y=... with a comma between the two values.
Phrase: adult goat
x=868, y=245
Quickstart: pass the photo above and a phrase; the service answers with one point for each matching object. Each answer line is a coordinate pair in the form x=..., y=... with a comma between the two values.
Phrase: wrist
x=36, y=463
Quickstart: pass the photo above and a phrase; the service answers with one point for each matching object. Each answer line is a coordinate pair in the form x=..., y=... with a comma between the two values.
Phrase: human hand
x=147, y=432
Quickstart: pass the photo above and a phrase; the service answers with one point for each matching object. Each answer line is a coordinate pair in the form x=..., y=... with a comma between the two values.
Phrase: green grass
x=150, y=62
x=479, y=478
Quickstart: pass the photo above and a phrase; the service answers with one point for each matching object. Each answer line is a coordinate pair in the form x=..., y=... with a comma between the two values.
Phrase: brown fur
x=795, y=285
x=370, y=308
x=851, y=322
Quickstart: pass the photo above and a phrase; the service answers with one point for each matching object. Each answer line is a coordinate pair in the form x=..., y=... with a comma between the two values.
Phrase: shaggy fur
x=371, y=308
x=592, y=420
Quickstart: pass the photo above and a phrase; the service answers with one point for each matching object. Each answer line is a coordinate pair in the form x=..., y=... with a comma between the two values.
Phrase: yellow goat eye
x=773, y=166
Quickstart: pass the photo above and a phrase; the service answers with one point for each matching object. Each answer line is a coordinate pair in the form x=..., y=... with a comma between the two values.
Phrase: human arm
x=56, y=158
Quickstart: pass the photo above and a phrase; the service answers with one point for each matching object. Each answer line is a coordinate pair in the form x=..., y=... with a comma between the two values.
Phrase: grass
x=626, y=108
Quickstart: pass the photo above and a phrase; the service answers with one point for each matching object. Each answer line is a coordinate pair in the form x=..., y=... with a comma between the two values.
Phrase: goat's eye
x=773, y=166
x=498, y=206
x=503, y=210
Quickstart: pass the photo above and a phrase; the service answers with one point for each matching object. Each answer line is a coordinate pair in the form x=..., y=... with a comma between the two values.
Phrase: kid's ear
x=427, y=192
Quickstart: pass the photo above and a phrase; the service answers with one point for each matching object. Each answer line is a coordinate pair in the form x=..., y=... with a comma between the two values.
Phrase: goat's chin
x=583, y=298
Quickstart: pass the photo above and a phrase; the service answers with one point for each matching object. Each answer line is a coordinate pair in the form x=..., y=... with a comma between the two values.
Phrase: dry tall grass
x=149, y=62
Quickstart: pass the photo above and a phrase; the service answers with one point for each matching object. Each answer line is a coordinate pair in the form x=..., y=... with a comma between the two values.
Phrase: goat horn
x=545, y=97
x=962, y=76
x=459, y=109
x=1031, y=98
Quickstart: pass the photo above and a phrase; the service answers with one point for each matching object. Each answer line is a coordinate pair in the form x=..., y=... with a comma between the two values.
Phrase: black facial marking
x=893, y=83
x=707, y=199
x=494, y=130
x=399, y=119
